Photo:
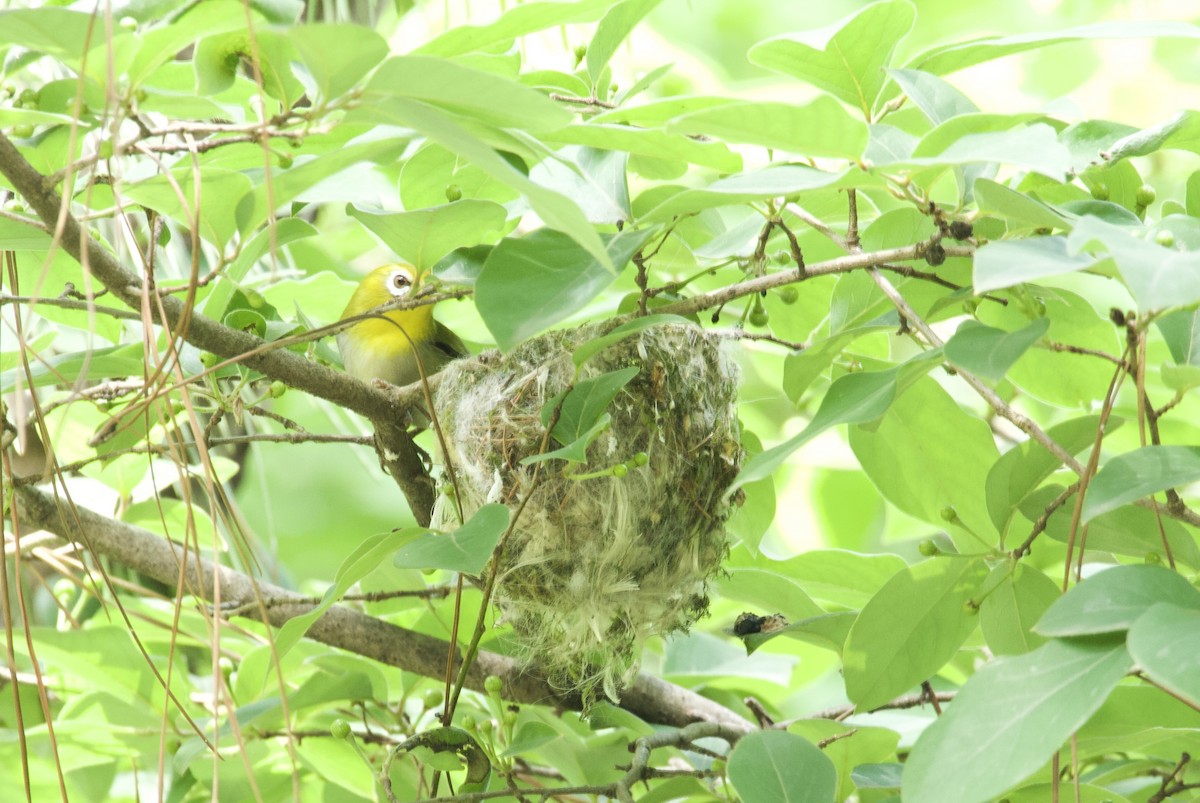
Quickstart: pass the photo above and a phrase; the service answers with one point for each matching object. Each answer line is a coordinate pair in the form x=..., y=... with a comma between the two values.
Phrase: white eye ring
x=399, y=283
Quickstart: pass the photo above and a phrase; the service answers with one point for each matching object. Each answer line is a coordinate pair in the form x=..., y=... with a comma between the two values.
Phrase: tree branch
x=650, y=698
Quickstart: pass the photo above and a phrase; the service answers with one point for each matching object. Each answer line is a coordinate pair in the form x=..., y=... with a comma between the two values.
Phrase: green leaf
x=1158, y=278
x=828, y=630
x=1023, y=468
x=781, y=767
x=595, y=179
x=365, y=558
x=933, y=96
x=649, y=142
x=1009, y=718
x=1165, y=642
x=1111, y=601
x=555, y=209
x=1181, y=330
x=910, y=629
x=336, y=55
x=770, y=592
x=1142, y=472
x=177, y=196
x=877, y=776
x=424, y=236
x=93, y=365
x=838, y=576
x=821, y=127
x=989, y=352
x=926, y=455
x=1001, y=201
x=614, y=27
x=286, y=185
x=582, y=414
x=1181, y=132
x=959, y=55
x=847, y=59
x=1128, y=530
x=530, y=736
x=479, y=95
x=466, y=550
x=530, y=283
x=770, y=182
x=1013, y=606
x=1004, y=263
x=518, y=21
x=57, y=31
x=1035, y=147
x=285, y=231
x=853, y=399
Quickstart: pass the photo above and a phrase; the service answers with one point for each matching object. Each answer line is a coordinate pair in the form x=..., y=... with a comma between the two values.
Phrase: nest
x=595, y=566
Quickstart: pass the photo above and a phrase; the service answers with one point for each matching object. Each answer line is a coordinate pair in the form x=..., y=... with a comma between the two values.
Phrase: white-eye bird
x=377, y=348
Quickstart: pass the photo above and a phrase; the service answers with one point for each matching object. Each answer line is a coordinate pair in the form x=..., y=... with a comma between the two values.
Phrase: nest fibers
x=595, y=566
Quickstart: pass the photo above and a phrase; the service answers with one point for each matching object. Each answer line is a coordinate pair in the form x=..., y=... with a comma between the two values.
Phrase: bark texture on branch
x=650, y=698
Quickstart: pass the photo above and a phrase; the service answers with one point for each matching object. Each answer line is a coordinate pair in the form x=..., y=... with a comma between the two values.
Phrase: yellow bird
x=376, y=348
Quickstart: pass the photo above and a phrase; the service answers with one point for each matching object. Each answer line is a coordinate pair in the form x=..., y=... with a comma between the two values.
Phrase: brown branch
x=403, y=458
x=829, y=267
x=650, y=698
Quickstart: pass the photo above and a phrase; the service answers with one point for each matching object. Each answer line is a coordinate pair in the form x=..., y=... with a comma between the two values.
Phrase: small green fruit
x=453, y=192
x=485, y=726
x=432, y=698
x=1100, y=191
x=28, y=99
x=781, y=257
x=285, y=160
x=789, y=295
x=1145, y=195
x=928, y=548
x=208, y=359
x=971, y=608
x=510, y=718
x=492, y=684
x=620, y=470
x=759, y=317
x=580, y=53
x=340, y=729
x=23, y=131
x=641, y=459
x=278, y=389
x=1165, y=238
x=948, y=513
x=1153, y=558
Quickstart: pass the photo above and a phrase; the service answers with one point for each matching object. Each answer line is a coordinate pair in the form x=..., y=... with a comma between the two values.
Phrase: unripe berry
x=620, y=470
x=278, y=389
x=759, y=317
x=340, y=729
x=1145, y=195
x=453, y=192
x=1165, y=238
x=432, y=698
x=789, y=295
x=1100, y=191
x=928, y=548
x=492, y=684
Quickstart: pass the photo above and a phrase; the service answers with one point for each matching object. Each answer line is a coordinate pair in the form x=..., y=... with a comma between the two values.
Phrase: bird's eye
x=400, y=282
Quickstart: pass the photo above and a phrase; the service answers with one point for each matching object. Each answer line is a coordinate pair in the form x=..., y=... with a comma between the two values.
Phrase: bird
x=378, y=348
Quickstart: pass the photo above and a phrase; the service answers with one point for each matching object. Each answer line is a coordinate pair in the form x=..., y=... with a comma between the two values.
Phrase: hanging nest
x=595, y=566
